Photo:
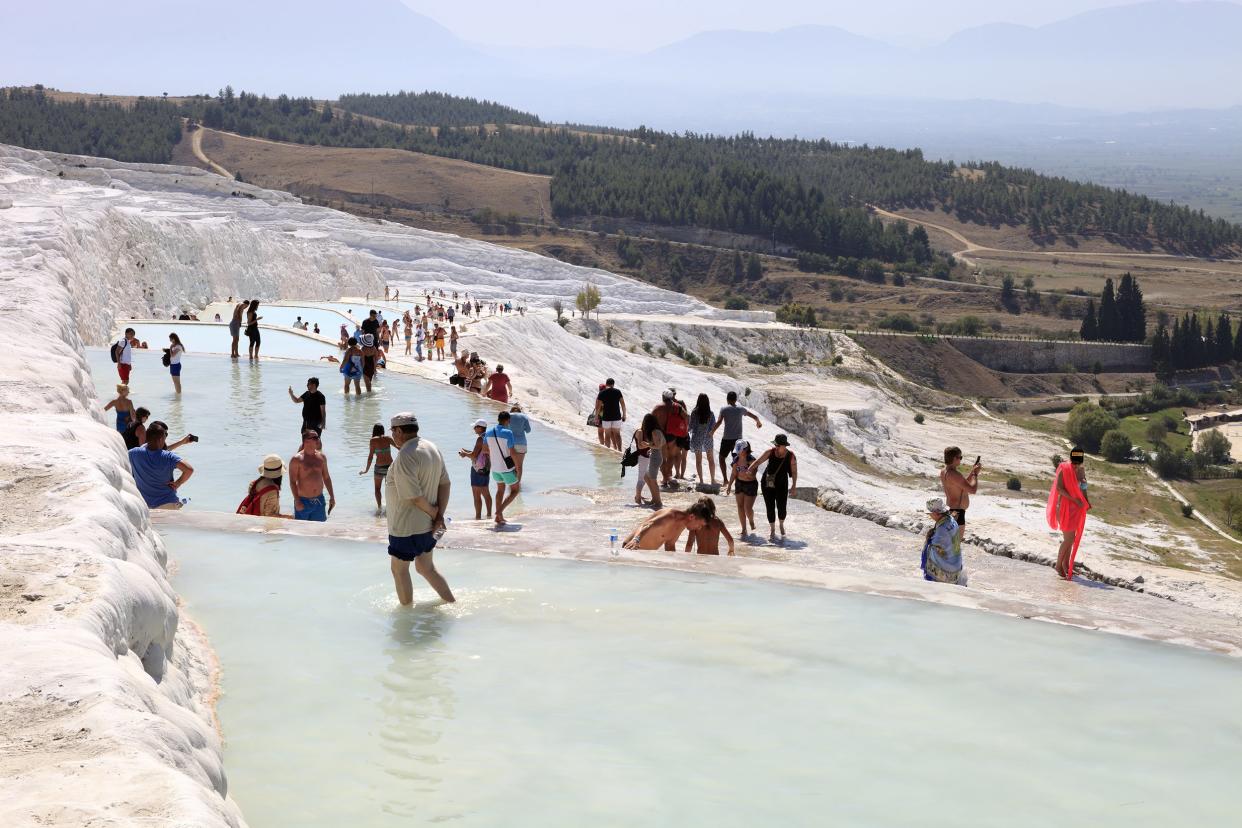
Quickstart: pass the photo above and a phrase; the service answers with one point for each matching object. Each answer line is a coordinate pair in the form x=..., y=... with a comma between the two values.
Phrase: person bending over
x=663, y=528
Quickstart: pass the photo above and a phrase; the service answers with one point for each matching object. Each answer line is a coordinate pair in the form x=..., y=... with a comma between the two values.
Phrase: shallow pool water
x=561, y=693
x=284, y=315
x=241, y=412
x=200, y=339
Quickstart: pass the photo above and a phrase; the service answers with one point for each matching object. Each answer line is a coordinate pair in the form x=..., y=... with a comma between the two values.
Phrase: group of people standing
x=661, y=445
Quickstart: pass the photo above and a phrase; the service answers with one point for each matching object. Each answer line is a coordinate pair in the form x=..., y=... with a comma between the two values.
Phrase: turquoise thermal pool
x=563, y=693
x=241, y=412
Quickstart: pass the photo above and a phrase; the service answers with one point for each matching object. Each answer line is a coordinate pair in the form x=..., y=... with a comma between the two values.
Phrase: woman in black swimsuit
x=252, y=327
x=780, y=479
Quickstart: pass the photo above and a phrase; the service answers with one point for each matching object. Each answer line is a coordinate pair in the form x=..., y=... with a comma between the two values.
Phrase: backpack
x=250, y=503
x=115, y=351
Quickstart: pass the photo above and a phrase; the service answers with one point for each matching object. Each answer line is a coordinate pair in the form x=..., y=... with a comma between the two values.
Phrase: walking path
x=196, y=146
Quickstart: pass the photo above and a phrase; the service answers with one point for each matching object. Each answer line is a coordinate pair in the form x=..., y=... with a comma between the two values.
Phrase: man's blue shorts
x=409, y=547
x=316, y=508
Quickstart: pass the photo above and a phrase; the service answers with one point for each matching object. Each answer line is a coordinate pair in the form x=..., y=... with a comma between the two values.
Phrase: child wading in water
x=381, y=453
x=124, y=407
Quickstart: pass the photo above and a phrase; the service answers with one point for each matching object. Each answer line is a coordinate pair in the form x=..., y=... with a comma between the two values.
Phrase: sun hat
x=272, y=467
x=122, y=388
x=780, y=440
x=405, y=418
x=936, y=504
x=669, y=394
x=480, y=423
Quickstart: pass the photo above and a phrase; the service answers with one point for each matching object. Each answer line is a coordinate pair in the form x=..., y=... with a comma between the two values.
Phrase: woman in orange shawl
x=1067, y=510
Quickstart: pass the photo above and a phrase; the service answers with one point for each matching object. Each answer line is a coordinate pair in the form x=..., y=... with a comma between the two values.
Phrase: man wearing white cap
x=942, y=559
x=417, y=472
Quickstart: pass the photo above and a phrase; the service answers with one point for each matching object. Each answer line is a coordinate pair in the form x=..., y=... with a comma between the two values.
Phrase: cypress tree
x=1194, y=343
x=1222, y=348
x=1109, y=322
x=1161, y=353
x=1089, y=332
x=1237, y=345
x=1177, y=345
x=1138, y=313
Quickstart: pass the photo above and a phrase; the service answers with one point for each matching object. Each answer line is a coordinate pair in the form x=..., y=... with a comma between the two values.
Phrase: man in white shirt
x=417, y=490
x=125, y=354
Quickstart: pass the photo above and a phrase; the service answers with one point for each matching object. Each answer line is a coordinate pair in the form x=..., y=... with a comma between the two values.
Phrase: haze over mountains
x=1152, y=55
x=1052, y=97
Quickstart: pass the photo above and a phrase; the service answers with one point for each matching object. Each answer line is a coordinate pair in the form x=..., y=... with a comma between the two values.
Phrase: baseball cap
x=405, y=418
x=480, y=423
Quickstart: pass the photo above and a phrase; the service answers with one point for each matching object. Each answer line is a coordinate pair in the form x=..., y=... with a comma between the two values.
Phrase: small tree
x=1214, y=447
x=588, y=300
x=1087, y=425
x=754, y=268
x=1157, y=431
x=559, y=308
x=1115, y=446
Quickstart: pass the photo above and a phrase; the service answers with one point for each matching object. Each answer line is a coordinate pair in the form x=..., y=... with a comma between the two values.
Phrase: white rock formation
x=103, y=711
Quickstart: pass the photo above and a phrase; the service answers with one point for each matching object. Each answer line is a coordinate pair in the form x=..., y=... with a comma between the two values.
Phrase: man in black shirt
x=371, y=325
x=610, y=411
x=314, y=406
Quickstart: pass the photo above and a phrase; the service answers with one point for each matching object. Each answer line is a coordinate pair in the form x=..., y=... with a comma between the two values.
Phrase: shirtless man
x=958, y=489
x=308, y=477
x=663, y=528
x=708, y=538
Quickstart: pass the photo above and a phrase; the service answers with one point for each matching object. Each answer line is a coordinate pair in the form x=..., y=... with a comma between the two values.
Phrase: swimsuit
x=959, y=515
x=122, y=420
x=314, y=508
x=381, y=470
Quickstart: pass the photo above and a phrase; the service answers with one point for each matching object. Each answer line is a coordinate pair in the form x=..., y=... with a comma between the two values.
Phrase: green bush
x=1169, y=463
x=1187, y=510
x=1156, y=432
x=1087, y=425
x=1115, y=446
x=897, y=322
x=918, y=418
x=736, y=303
x=1013, y=484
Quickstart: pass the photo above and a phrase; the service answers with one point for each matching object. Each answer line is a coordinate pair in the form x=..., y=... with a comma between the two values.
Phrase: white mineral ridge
x=104, y=717
x=148, y=240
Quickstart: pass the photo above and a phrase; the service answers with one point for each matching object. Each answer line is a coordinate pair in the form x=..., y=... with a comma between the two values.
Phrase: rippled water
x=559, y=693
x=241, y=411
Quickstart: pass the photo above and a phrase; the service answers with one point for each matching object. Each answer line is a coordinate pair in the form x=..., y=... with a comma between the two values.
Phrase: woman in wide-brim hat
x=779, y=481
x=263, y=496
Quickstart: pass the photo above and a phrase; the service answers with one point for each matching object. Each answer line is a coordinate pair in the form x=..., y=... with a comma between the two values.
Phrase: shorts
x=507, y=477
x=316, y=509
x=175, y=369
x=123, y=369
x=750, y=488
x=959, y=515
x=727, y=444
x=682, y=441
x=518, y=449
x=381, y=471
x=315, y=427
x=478, y=479
x=610, y=425
x=235, y=328
x=409, y=547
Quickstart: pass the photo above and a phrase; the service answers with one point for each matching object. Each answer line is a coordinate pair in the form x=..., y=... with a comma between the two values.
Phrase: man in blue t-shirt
x=499, y=442
x=519, y=425
x=153, y=466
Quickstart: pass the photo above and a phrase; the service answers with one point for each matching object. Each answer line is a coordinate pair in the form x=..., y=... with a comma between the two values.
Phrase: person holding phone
x=958, y=487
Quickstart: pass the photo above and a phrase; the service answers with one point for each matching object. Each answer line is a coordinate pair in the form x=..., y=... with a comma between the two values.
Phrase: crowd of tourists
x=409, y=472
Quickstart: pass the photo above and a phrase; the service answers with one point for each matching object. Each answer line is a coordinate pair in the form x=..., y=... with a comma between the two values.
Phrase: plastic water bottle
x=439, y=533
x=612, y=541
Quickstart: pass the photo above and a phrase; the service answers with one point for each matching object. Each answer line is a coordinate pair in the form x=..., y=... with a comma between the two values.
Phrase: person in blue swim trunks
x=309, y=478
x=351, y=365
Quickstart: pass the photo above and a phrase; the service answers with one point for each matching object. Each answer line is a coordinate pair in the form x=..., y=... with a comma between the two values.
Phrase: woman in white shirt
x=175, y=350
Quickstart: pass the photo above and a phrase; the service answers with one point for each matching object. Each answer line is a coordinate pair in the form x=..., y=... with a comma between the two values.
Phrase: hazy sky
x=644, y=24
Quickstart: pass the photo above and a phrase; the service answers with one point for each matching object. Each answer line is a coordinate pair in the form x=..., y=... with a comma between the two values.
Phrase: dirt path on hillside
x=196, y=146
x=974, y=247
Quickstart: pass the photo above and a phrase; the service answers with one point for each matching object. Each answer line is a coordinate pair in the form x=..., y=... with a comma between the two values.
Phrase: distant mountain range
x=1149, y=55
